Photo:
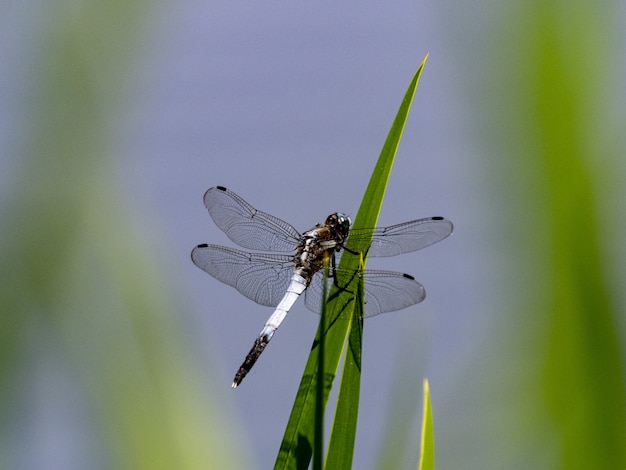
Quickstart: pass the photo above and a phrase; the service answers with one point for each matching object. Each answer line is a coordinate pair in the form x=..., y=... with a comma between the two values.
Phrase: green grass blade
x=320, y=404
x=427, y=457
x=342, y=439
x=373, y=197
x=298, y=441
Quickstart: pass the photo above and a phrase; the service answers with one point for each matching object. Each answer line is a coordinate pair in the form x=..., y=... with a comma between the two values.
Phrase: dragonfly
x=285, y=263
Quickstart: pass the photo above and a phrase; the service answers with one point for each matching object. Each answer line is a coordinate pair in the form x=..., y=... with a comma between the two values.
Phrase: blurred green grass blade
x=397, y=447
x=583, y=379
x=427, y=457
x=297, y=445
x=84, y=287
x=565, y=149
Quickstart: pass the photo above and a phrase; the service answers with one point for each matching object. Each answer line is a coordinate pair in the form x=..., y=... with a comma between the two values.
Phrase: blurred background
x=115, y=117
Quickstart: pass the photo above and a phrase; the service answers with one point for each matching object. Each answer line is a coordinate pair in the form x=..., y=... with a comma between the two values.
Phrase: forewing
x=260, y=277
x=247, y=226
x=385, y=291
x=403, y=238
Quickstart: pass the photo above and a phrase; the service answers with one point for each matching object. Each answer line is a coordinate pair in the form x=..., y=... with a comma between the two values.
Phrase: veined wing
x=385, y=291
x=247, y=226
x=263, y=278
x=402, y=238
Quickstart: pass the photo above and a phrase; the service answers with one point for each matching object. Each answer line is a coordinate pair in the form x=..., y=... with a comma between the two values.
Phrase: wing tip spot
x=221, y=188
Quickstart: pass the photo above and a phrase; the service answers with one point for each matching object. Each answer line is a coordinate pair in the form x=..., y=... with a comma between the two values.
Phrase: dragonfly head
x=340, y=224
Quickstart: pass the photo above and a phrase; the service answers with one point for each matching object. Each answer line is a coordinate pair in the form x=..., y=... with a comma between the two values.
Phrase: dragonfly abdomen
x=296, y=287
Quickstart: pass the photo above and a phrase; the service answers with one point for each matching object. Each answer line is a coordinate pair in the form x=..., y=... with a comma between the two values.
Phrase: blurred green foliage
x=547, y=387
x=552, y=126
x=79, y=280
x=583, y=383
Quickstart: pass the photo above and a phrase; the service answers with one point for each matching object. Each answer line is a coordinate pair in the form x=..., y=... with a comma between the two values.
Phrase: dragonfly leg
x=332, y=273
x=350, y=250
x=355, y=252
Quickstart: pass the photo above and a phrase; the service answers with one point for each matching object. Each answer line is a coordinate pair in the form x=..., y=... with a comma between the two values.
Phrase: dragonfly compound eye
x=344, y=222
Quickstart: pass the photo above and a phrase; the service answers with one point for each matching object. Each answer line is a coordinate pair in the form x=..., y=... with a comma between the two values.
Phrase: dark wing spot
x=408, y=276
x=437, y=218
x=204, y=245
x=221, y=188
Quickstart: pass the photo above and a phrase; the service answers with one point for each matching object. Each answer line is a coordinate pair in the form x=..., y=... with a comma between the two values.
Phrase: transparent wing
x=402, y=238
x=247, y=226
x=260, y=277
x=385, y=291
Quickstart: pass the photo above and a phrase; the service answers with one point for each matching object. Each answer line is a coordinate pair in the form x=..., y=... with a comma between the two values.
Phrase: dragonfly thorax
x=319, y=243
